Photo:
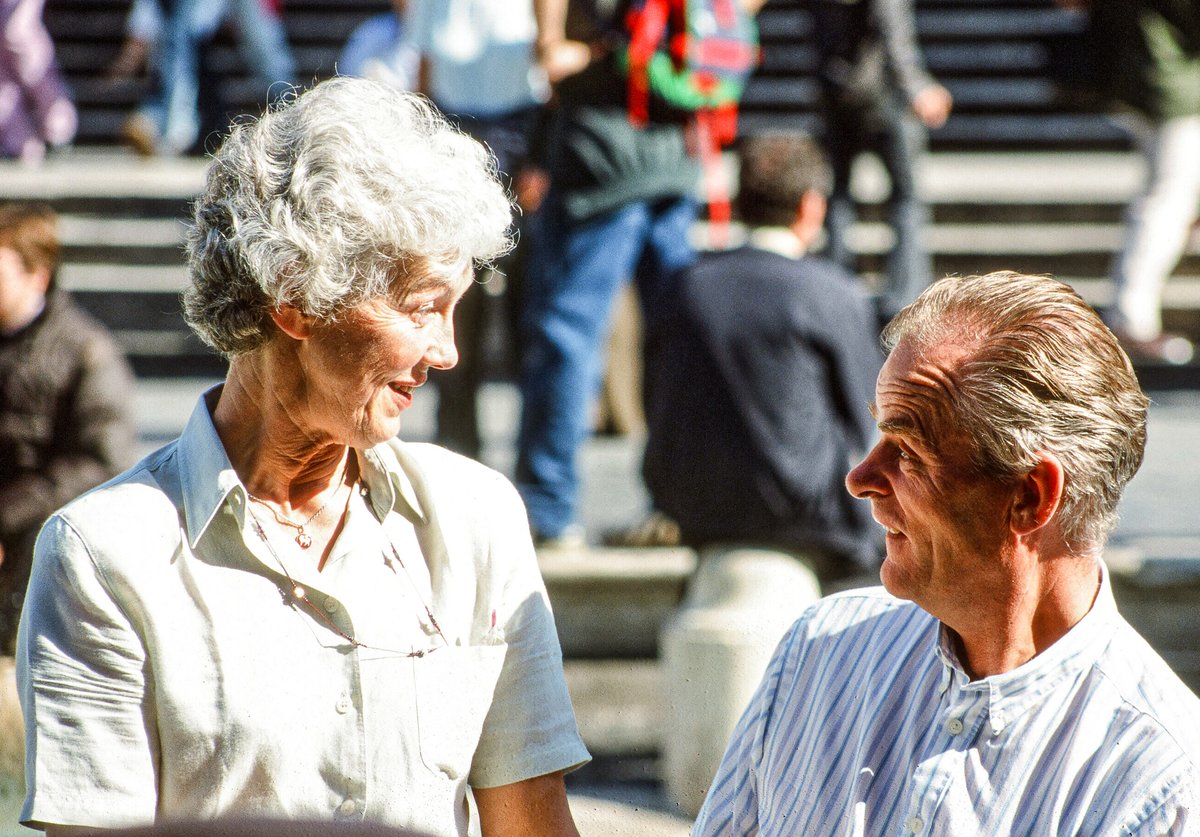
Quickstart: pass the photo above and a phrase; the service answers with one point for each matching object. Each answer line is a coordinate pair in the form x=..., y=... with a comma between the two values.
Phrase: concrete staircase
x=1040, y=211
x=1000, y=58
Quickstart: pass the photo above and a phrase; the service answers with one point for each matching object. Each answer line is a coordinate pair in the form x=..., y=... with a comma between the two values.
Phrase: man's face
x=22, y=291
x=947, y=526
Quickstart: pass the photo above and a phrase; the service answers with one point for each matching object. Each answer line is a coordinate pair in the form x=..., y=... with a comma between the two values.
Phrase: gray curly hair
x=347, y=192
x=1044, y=374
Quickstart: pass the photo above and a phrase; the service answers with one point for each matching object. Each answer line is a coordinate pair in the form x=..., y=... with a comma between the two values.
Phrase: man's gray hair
x=347, y=192
x=1043, y=373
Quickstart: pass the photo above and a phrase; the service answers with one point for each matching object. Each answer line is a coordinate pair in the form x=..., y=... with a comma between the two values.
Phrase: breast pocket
x=454, y=688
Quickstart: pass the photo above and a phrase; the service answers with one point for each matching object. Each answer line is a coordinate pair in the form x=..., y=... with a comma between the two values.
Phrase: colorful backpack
x=688, y=61
x=687, y=57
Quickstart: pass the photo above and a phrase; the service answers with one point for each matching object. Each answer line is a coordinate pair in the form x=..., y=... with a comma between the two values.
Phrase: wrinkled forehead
x=918, y=388
x=431, y=275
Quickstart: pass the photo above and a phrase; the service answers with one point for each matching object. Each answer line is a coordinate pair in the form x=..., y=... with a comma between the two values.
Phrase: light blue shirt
x=866, y=723
x=165, y=671
x=480, y=55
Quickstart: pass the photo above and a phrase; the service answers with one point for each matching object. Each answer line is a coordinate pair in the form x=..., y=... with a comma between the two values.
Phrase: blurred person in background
x=1146, y=57
x=171, y=35
x=66, y=399
x=621, y=204
x=35, y=107
x=381, y=48
x=288, y=612
x=877, y=97
x=477, y=65
x=765, y=356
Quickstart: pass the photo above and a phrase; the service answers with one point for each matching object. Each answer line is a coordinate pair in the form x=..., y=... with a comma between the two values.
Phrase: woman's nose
x=443, y=354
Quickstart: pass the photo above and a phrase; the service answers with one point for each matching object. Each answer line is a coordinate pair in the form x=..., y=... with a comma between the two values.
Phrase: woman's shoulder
x=440, y=468
x=138, y=506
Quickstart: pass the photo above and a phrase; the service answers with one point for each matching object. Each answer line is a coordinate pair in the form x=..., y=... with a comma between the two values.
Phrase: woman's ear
x=1039, y=494
x=292, y=321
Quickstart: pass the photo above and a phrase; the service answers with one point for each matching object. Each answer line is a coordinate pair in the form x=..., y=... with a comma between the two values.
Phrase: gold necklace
x=303, y=539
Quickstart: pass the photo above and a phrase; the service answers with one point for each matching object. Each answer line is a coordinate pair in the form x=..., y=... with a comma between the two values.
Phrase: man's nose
x=866, y=479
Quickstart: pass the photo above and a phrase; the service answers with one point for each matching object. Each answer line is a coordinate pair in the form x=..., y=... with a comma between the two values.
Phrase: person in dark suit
x=759, y=373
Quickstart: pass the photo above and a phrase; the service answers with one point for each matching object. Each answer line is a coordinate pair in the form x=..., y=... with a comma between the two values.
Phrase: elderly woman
x=287, y=612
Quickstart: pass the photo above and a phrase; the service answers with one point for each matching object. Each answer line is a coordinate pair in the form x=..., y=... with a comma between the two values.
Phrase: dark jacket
x=598, y=160
x=867, y=52
x=762, y=373
x=66, y=425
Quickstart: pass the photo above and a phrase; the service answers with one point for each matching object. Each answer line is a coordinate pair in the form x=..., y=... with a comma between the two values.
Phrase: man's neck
x=1026, y=619
x=779, y=240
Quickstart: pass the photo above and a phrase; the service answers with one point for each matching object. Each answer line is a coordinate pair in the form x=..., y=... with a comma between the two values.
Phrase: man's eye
x=903, y=455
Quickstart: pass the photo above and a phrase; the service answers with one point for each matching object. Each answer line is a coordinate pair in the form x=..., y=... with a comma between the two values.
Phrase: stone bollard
x=714, y=651
x=12, y=748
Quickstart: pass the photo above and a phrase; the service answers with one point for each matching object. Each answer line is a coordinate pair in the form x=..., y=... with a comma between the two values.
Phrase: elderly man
x=991, y=687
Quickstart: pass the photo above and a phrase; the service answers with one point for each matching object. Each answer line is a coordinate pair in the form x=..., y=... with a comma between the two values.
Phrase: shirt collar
x=778, y=240
x=207, y=478
x=1013, y=693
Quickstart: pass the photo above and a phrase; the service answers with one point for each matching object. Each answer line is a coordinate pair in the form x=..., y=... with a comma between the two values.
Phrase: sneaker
x=139, y=133
x=1168, y=348
x=573, y=538
x=657, y=529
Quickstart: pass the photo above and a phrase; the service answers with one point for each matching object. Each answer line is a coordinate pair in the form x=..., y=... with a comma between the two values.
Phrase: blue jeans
x=576, y=270
x=184, y=27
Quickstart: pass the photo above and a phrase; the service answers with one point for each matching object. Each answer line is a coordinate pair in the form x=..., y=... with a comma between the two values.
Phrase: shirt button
x=331, y=604
x=955, y=726
x=915, y=824
x=347, y=808
x=343, y=705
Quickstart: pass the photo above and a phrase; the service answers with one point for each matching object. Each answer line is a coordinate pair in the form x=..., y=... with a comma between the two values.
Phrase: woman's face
x=359, y=372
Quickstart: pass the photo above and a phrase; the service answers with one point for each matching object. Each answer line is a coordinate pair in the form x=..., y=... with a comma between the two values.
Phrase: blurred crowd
x=607, y=220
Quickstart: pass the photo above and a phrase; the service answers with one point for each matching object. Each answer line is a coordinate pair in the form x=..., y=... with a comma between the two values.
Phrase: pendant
x=304, y=540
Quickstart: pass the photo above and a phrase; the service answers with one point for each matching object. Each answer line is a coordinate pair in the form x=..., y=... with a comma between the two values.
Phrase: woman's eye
x=424, y=313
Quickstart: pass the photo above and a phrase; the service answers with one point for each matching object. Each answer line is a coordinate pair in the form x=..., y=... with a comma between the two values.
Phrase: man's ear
x=809, y=219
x=292, y=321
x=1039, y=494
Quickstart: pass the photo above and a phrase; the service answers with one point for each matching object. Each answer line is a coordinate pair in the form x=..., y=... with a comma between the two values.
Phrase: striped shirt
x=866, y=723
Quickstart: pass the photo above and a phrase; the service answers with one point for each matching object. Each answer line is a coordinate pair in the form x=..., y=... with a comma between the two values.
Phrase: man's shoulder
x=1150, y=691
x=815, y=272
x=845, y=617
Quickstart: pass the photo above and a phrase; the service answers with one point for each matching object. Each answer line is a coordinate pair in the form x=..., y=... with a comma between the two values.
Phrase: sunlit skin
x=984, y=555
x=290, y=412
